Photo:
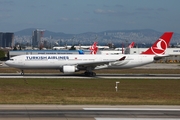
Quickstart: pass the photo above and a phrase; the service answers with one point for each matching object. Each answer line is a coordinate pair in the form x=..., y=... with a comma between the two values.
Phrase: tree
x=2, y=54
x=14, y=48
x=72, y=48
x=20, y=48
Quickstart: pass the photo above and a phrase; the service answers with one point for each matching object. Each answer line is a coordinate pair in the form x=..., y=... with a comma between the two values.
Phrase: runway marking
x=137, y=109
x=137, y=118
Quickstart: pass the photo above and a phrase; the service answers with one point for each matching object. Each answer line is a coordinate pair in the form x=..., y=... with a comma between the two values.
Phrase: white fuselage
x=58, y=61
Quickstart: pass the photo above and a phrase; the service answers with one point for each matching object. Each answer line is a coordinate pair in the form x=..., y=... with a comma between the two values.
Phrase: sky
x=79, y=16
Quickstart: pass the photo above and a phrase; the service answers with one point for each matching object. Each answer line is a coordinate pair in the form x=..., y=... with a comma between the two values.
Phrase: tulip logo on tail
x=159, y=47
x=94, y=48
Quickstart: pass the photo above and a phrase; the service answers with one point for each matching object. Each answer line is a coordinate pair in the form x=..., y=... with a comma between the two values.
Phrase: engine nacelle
x=68, y=69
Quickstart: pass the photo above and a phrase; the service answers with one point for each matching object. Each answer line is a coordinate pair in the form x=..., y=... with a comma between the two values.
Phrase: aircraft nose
x=8, y=62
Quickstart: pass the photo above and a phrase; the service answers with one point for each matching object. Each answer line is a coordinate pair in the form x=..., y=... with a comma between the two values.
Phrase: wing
x=98, y=64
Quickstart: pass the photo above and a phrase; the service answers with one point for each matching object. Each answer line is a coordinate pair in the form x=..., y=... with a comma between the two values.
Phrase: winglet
x=94, y=48
x=160, y=46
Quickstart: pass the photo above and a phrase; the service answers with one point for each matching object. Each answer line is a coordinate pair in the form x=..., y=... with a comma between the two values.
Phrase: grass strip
x=89, y=91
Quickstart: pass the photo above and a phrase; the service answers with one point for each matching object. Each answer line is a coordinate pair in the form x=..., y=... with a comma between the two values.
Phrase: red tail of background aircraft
x=94, y=48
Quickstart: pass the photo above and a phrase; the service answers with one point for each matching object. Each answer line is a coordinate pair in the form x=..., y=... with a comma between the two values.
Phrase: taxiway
x=89, y=112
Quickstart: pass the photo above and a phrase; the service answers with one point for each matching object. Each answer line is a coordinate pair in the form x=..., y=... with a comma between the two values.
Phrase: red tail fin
x=94, y=48
x=160, y=46
x=131, y=45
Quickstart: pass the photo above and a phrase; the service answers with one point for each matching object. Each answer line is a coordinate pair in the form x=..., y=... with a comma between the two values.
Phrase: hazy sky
x=78, y=16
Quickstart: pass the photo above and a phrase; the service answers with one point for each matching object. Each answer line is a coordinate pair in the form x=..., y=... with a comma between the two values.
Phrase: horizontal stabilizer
x=158, y=57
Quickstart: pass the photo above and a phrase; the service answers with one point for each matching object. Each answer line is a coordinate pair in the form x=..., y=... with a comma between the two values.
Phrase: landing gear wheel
x=90, y=74
x=22, y=72
x=86, y=73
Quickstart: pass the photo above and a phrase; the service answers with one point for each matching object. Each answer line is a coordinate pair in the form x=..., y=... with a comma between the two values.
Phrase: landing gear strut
x=90, y=74
x=22, y=72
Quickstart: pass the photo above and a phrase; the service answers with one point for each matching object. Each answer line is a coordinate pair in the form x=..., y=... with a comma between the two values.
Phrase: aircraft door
x=20, y=62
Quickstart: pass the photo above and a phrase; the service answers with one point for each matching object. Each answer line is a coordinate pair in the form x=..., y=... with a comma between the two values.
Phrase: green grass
x=89, y=91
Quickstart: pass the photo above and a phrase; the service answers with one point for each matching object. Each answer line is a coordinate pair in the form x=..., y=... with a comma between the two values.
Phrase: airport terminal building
x=13, y=53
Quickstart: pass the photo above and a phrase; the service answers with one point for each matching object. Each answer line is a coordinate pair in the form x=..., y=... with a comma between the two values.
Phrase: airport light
x=116, y=87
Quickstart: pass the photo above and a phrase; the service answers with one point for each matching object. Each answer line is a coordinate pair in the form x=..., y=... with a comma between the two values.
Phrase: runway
x=116, y=76
x=81, y=76
x=88, y=112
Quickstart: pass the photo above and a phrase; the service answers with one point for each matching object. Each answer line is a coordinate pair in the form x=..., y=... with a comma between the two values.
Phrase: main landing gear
x=90, y=74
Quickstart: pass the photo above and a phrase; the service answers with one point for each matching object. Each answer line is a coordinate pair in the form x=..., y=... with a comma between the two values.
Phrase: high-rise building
x=37, y=38
x=1, y=39
x=6, y=39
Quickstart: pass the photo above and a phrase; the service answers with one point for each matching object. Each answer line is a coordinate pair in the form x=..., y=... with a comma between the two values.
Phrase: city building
x=37, y=41
x=6, y=40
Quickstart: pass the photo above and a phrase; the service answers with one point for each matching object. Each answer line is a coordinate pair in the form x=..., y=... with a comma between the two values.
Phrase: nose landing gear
x=22, y=72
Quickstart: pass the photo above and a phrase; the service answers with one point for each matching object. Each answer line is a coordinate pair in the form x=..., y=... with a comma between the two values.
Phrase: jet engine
x=68, y=69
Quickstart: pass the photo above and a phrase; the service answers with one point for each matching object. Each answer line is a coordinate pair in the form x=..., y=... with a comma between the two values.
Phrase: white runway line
x=137, y=109
x=137, y=118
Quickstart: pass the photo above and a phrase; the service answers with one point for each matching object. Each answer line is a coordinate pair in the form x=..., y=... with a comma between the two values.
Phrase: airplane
x=120, y=50
x=75, y=62
x=94, y=48
x=131, y=45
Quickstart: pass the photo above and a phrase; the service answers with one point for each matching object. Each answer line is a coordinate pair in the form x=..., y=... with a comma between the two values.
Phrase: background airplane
x=131, y=45
x=88, y=63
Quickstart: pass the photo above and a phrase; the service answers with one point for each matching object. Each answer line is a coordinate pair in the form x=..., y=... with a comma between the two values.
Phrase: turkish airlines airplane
x=77, y=62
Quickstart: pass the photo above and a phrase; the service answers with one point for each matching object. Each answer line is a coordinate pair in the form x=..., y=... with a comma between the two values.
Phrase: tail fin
x=81, y=52
x=160, y=46
x=94, y=48
x=131, y=45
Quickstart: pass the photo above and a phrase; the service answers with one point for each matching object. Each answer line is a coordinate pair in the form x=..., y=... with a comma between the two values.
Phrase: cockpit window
x=11, y=59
